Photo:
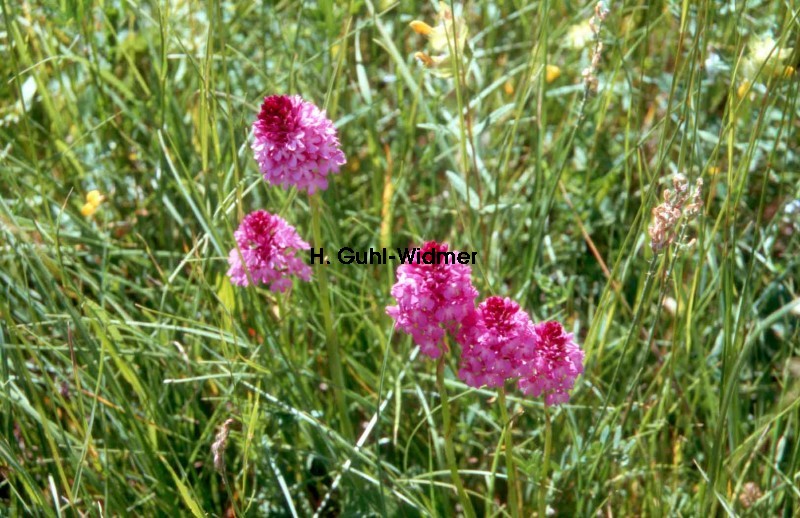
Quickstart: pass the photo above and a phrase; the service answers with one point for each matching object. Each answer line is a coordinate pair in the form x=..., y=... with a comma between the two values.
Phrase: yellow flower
x=448, y=36
x=88, y=209
x=552, y=73
x=743, y=89
x=93, y=201
x=421, y=27
x=509, y=87
x=94, y=197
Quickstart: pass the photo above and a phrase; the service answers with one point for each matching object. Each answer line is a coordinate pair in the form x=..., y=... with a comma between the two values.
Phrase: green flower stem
x=331, y=338
x=511, y=467
x=449, y=452
x=548, y=440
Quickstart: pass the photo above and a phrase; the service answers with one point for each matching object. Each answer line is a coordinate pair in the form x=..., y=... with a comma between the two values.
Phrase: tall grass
x=124, y=348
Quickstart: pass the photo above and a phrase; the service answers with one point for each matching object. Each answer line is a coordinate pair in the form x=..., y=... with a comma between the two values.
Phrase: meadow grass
x=124, y=347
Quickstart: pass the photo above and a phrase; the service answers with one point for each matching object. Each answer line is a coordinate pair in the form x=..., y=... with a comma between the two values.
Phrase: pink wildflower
x=268, y=246
x=555, y=364
x=432, y=299
x=494, y=342
x=295, y=143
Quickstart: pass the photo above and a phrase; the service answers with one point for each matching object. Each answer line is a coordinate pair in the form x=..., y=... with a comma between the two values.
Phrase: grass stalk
x=447, y=433
x=331, y=338
x=548, y=444
x=513, y=498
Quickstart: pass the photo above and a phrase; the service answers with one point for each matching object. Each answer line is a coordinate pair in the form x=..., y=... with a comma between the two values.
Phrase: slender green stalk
x=548, y=441
x=331, y=339
x=449, y=452
x=459, y=80
x=513, y=499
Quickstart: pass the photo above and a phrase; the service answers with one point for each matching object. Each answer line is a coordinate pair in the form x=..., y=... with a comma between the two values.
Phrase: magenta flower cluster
x=295, y=144
x=495, y=342
x=555, y=365
x=432, y=299
x=498, y=340
x=266, y=252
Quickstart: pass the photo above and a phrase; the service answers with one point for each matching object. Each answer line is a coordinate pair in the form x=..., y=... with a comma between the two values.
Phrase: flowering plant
x=266, y=252
x=295, y=143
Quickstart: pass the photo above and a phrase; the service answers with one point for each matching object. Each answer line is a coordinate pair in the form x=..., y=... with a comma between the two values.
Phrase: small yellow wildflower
x=88, y=209
x=743, y=89
x=448, y=36
x=94, y=197
x=552, y=73
x=509, y=87
x=93, y=201
x=421, y=27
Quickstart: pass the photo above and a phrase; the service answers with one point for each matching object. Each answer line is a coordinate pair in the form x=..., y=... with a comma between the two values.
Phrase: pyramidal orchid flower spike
x=494, y=341
x=432, y=299
x=266, y=253
x=295, y=144
x=499, y=342
x=556, y=362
